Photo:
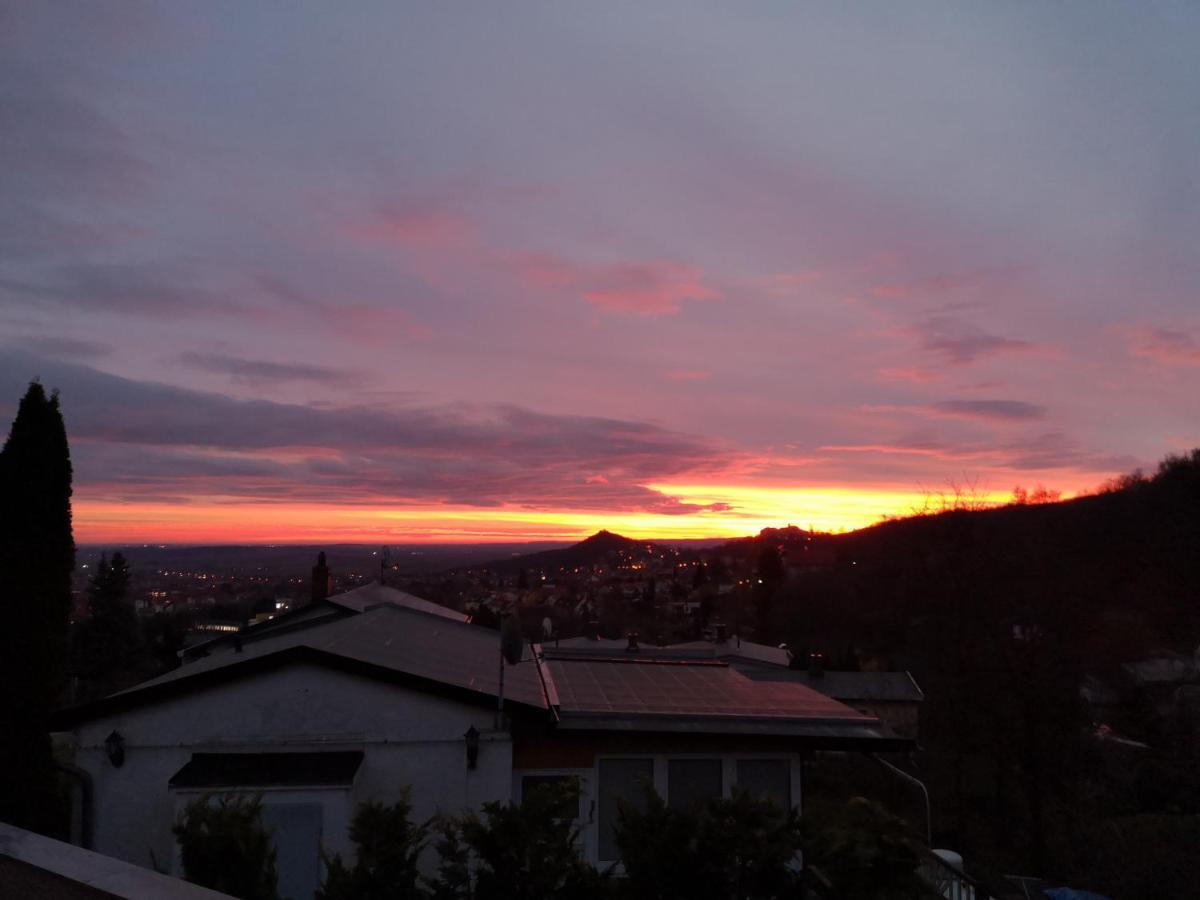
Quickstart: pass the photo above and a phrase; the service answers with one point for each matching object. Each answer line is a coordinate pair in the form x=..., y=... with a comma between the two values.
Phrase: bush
x=385, y=866
x=524, y=852
x=740, y=846
x=866, y=852
x=225, y=847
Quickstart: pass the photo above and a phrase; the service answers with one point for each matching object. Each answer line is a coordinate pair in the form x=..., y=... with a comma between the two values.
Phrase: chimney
x=592, y=630
x=816, y=665
x=633, y=642
x=722, y=634
x=322, y=580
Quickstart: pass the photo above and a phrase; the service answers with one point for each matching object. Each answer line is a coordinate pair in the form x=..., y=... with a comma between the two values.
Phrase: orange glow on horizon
x=740, y=510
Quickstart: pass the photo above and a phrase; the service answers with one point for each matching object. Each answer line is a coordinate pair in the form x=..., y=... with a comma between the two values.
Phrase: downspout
x=924, y=792
x=84, y=780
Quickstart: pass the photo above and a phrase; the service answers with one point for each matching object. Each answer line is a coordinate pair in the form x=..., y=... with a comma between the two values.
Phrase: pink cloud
x=787, y=282
x=1165, y=345
x=450, y=244
x=915, y=375
x=655, y=288
x=650, y=288
x=687, y=375
x=416, y=222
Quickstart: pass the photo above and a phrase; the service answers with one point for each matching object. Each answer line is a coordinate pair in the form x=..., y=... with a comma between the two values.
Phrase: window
x=771, y=778
x=566, y=785
x=620, y=780
x=690, y=782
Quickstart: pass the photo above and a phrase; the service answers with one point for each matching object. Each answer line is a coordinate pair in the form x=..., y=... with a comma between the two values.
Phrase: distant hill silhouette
x=603, y=546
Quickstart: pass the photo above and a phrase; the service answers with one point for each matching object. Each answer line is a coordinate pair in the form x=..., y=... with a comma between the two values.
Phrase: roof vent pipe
x=633, y=641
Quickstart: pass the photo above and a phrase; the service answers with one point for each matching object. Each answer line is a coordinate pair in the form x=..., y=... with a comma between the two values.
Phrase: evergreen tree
x=224, y=846
x=385, y=866
x=107, y=645
x=37, y=557
x=770, y=576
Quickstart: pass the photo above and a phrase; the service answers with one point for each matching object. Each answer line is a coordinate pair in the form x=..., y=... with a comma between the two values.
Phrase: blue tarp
x=1065, y=893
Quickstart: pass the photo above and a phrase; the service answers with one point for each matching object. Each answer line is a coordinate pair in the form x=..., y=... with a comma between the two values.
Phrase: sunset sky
x=492, y=271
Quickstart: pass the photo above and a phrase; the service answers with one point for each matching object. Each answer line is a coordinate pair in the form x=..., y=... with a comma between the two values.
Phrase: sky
x=473, y=271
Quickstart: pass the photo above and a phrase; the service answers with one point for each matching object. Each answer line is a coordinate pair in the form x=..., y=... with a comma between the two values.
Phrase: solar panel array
x=658, y=688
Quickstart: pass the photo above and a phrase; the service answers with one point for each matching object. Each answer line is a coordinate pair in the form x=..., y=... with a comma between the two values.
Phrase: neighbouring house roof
x=846, y=686
x=369, y=596
x=388, y=642
x=259, y=770
x=591, y=644
x=735, y=647
x=353, y=602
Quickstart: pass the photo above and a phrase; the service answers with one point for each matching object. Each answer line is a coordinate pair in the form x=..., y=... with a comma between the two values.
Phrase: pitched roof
x=359, y=600
x=388, y=642
x=369, y=596
x=846, y=686
x=736, y=647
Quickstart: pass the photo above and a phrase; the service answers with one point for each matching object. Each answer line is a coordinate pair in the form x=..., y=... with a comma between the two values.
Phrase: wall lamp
x=472, y=739
x=114, y=748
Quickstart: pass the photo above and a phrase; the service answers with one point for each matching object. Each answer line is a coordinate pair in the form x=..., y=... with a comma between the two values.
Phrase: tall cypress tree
x=37, y=558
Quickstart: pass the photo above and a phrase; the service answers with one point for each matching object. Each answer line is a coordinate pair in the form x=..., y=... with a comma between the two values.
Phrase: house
x=364, y=694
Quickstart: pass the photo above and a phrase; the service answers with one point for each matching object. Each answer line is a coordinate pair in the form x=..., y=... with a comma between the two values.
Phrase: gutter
x=920, y=784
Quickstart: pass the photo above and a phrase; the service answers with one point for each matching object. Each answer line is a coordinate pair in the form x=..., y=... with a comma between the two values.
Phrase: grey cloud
x=144, y=437
x=66, y=348
x=991, y=410
x=257, y=372
x=160, y=290
x=960, y=344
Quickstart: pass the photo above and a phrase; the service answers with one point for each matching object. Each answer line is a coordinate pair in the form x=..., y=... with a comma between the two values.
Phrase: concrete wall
x=408, y=738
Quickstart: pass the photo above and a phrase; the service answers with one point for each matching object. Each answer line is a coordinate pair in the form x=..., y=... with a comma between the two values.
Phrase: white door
x=296, y=831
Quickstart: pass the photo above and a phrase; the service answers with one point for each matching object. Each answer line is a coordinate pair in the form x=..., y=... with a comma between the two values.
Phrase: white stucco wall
x=407, y=737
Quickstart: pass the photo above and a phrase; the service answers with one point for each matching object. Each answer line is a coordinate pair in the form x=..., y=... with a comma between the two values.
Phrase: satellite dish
x=512, y=644
x=547, y=628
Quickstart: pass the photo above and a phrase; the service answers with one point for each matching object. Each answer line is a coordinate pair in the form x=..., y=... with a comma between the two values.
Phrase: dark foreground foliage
x=740, y=846
x=388, y=846
x=224, y=846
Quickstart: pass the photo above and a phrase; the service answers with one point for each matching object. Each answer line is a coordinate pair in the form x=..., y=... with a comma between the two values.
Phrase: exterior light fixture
x=472, y=739
x=114, y=748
